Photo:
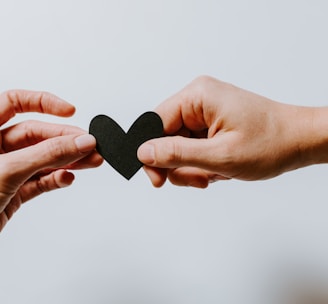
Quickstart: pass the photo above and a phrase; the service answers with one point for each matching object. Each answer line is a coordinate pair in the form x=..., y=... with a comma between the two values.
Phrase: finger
x=186, y=108
x=157, y=176
x=34, y=187
x=19, y=101
x=188, y=176
x=52, y=181
x=193, y=177
x=20, y=165
x=92, y=160
x=177, y=151
x=31, y=132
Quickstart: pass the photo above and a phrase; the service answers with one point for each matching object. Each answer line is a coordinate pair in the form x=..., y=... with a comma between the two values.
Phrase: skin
x=35, y=156
x=217, y=131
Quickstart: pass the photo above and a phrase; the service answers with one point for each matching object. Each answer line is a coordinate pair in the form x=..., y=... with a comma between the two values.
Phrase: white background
x=106, y=240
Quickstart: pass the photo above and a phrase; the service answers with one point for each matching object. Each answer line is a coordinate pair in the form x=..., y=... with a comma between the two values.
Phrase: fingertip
x=64, y=178
x=60, y=107
x=85, y=143
x=96, y=159
x=157, y=176
x=146, y=153
x=70, y=110
x=49, y=103
x=93, y=160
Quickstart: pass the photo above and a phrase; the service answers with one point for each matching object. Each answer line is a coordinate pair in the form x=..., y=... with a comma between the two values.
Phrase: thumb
x=49, y=154
x=178, y=151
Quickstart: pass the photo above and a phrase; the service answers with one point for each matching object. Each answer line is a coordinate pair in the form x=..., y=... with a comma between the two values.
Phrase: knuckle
x=203, y=79
x=41, y=187
x=46, y=97
x=11, y=94
x=173, y=153
x=44, y=100
x=202, y=82
x=56, y=150
x=47, y=184
x=205, y=83
x=199, y=88
x=28, y=126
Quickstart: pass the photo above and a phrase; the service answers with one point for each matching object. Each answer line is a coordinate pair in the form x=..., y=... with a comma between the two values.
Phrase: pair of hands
x=215, y=131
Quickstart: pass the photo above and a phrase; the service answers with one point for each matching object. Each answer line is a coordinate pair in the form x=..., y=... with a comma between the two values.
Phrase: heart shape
x=118, y=148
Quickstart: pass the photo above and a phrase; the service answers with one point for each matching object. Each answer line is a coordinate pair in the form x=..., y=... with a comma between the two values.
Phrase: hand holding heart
x=217, y=131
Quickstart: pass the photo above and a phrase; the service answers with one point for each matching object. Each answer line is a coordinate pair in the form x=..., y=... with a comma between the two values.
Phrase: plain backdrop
x=107, y=240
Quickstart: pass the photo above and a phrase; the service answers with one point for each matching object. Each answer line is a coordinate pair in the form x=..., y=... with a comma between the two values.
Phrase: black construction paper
x=119, y=148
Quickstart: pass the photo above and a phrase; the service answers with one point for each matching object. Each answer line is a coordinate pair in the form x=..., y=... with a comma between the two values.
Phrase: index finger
x=20, y=101
x=184, y=110
x=28, y=133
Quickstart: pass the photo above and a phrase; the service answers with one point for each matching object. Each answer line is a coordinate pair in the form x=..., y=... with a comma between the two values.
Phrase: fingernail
x=85, y=143
x=146, y=153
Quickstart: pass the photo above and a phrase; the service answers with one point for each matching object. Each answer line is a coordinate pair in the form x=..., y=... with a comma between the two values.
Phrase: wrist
x=312, y=135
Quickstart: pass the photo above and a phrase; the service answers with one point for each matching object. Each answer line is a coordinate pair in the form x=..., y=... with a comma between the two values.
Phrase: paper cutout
x=119, y=148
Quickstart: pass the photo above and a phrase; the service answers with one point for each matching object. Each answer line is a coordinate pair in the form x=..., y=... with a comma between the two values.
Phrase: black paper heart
x=118, y=148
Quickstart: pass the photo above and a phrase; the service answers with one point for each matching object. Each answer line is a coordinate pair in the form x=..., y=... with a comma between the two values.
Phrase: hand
x=35, y=156
x=216, y=131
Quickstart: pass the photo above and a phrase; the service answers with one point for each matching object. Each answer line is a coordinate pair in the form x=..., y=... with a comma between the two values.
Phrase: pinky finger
x=52, y=181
